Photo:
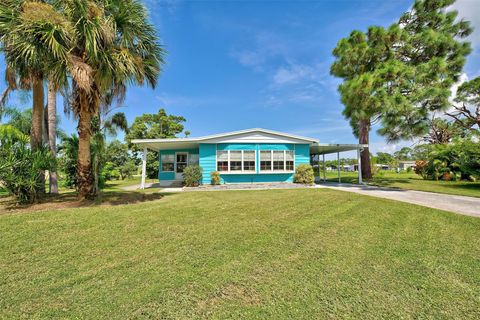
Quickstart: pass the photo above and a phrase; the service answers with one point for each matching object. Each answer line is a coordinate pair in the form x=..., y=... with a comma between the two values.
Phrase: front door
x=181, y=161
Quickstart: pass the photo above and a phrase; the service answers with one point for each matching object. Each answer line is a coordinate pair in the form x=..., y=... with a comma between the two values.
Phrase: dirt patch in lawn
x=232, y=292
x=68, y=200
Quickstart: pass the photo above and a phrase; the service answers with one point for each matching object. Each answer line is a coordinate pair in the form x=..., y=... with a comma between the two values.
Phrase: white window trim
x=174, y=160
x=243, y=171
x=272, y=171
x=175, y=166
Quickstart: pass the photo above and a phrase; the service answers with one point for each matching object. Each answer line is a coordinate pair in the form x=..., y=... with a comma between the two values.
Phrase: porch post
x=359, y=167
x=318, y=166
x=338, y=167
x=324, y=169
x=144, y=167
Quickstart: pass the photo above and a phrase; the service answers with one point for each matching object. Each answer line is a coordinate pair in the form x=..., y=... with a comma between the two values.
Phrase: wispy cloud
x=264, y=47
x=470, y=11
x=182, y=101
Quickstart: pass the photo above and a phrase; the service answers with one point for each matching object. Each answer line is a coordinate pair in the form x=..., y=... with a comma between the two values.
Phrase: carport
x=321, y=149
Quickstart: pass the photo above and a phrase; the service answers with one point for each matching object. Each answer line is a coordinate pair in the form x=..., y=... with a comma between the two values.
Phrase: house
x=380, y=166
x=404, y=165
x=247, y=156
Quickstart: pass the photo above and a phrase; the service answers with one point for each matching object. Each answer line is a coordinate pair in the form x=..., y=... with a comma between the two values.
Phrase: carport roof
x=326, y=148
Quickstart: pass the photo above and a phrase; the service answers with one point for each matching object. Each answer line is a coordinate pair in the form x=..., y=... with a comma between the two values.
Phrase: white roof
x=256, y=135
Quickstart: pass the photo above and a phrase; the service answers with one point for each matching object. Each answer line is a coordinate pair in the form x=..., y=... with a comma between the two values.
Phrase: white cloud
x=265, y=47
x=470, y=10
x=293, y=74
x=181, y=101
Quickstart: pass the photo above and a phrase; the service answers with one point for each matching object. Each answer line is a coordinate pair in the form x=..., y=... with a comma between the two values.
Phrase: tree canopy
x=159, y=125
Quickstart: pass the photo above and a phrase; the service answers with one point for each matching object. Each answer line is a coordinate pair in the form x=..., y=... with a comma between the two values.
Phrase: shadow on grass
x=68, y=200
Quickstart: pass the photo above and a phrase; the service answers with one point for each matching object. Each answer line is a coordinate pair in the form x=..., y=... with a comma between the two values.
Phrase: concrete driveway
x=459, y=204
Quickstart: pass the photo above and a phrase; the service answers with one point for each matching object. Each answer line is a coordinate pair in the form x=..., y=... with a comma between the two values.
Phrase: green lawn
x=412, y=181
x=307, y=253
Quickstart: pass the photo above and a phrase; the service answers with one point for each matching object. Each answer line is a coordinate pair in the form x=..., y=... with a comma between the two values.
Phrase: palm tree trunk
x=36, y=135
x=52, y=133
x=363, y=138
x=84, y=165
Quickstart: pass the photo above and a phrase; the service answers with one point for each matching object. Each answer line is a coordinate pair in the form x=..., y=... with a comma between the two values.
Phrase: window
x=276, y=160
x=222, y=160
x=193, y=159
x=167, y=162
x=182, y=161
x=265, y=160
x=289, y=158
x=236, y=161
x=249, y=160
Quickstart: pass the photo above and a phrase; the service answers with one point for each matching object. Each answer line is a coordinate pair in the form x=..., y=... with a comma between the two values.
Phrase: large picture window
x=222, y=160
x=277, y=161
x=249, y=160
x=266, y=160
x=236, y=161
x=168, y=162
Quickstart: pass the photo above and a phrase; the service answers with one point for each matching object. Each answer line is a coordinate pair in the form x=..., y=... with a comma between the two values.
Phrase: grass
x=412, y=181
x=307, y=253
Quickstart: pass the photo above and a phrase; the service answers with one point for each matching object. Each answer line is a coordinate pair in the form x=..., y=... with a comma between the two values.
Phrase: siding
x=208, y=158
x=170, y=175
x=208, y=161
x=302, y=154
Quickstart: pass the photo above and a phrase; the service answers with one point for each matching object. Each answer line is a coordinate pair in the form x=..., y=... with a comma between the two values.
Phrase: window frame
x=272, y=170
x=242, y=171
x=162, y=162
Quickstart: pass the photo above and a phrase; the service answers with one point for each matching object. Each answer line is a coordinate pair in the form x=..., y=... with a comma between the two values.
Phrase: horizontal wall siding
x=302, y=154
x=171, y=175
x=256, y=177
x=236, y=146
x=276, y=146
x=208, y=161
x=208, y=158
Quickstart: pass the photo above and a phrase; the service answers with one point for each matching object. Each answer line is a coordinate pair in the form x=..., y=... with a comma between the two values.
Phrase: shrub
x=192, y=175
x=20, y=167
x=304, y=174
x=215, y=176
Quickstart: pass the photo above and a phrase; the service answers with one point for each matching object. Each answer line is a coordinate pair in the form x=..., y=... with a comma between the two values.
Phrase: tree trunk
x=84, y=164
x=36, y=135
x=363, y=138
x=52, y=133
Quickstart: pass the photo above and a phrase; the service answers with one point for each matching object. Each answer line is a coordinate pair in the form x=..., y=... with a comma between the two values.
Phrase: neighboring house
x=247, y=156
x=382, y=166
x=404, y=165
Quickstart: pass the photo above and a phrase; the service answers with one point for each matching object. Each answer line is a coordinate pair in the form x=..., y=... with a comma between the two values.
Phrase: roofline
x=227, y=134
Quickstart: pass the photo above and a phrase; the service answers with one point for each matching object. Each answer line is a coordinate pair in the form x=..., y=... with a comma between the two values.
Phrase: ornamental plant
x=192, y=175
x=215, y=178
x=304, y=174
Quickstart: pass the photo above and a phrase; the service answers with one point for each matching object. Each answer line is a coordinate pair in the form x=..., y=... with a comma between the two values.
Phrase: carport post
x=338, y=167
x=324, y=169
x=144, y=167
x=359, y=167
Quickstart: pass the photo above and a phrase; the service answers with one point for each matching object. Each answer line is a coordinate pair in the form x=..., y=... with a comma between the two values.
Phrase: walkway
x=459, y=204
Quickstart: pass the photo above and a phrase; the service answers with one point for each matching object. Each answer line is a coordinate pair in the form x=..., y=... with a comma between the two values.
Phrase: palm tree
x=115, y=46
x=35, y=39
x=104, y=125
x=52, y=131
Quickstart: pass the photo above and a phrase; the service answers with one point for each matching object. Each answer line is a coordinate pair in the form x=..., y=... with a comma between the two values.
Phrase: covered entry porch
x=319, y=150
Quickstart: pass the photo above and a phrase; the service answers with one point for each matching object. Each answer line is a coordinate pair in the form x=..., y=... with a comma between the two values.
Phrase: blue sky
x=233, y=65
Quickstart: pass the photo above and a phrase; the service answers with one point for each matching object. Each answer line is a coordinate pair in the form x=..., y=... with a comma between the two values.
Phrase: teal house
x=247, y=156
